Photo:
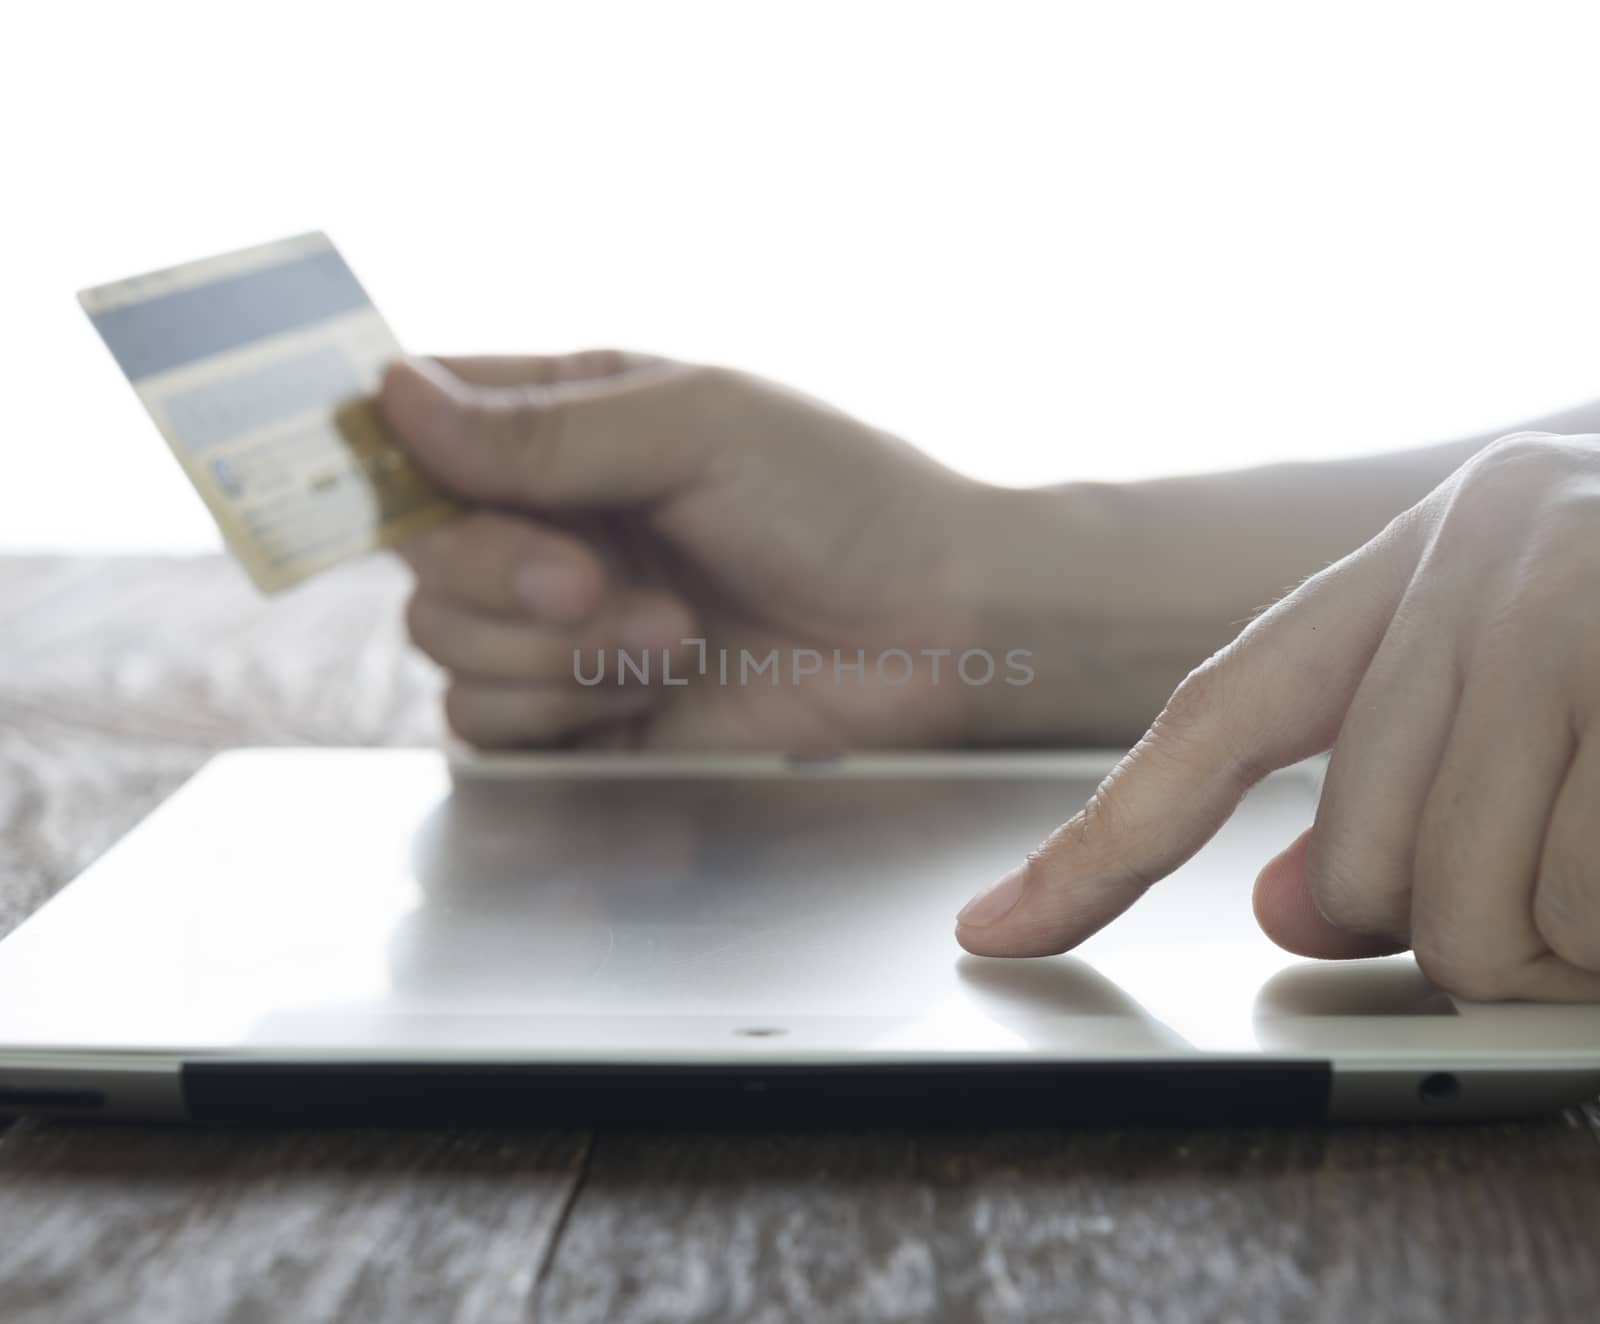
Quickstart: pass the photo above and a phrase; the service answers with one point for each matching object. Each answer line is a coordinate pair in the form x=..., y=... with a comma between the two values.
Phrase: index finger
x=599, y=441
x=544, y=369
x=1274, y=696
x=507, y=565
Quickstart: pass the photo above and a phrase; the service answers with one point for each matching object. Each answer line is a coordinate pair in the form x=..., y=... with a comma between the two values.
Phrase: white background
x=1039, y=240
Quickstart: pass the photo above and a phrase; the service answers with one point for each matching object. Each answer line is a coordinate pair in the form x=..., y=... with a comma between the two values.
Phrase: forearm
x=1119, y=590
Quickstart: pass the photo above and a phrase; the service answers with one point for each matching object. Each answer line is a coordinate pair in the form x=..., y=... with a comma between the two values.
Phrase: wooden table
x=118, y=678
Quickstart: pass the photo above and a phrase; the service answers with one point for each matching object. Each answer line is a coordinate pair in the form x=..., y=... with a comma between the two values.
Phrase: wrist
x=1060, y=579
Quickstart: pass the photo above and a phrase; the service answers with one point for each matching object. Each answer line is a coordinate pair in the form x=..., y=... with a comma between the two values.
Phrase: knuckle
x=1100, y=824
x=1566, y=913
x=429, y=554
x=1573, y=508
x=731, y=401
x=491, y=412
x=430, y=629
x=515, y=424
x=1506, y=473
x=602, y=362
x=521, y=656
x=1552, y=590
x=478, y=533
x=1516, y=452
x=715, y=378
x=476, y=562
x=502, y=717
x=1561, y=570
x=419, y=622
x=1461, y=970
x=1205, y=711
x=474, y=645
x=1516, y=471
x=449, y=557
x=1543, y=612
x=1193, y=696
x=535, y=427
x=1194, y=703
x=1359, y=876
x=1096, y=835
x=1346, y=896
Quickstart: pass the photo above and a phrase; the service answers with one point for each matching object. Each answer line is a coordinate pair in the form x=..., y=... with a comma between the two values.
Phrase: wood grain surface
x=119, y=677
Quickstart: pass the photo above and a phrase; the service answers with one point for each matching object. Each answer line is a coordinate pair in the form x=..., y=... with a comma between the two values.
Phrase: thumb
x=569, y=440
x=1274, y=696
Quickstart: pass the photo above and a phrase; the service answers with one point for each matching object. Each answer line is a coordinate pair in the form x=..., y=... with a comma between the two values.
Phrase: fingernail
x=655, y=626
x=548, y=589
x=995, y=904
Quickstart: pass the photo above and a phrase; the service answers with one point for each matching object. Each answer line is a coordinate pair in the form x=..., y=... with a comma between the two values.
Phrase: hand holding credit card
x=259, y=368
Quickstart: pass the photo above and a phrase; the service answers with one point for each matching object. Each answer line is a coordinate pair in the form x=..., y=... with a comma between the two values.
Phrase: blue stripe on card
x=173, y=329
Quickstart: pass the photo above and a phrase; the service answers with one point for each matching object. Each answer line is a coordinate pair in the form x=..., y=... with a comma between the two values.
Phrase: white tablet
x=374, y=936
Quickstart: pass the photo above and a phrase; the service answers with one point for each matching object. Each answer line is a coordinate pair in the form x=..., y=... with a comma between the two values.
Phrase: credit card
x=259, y=368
